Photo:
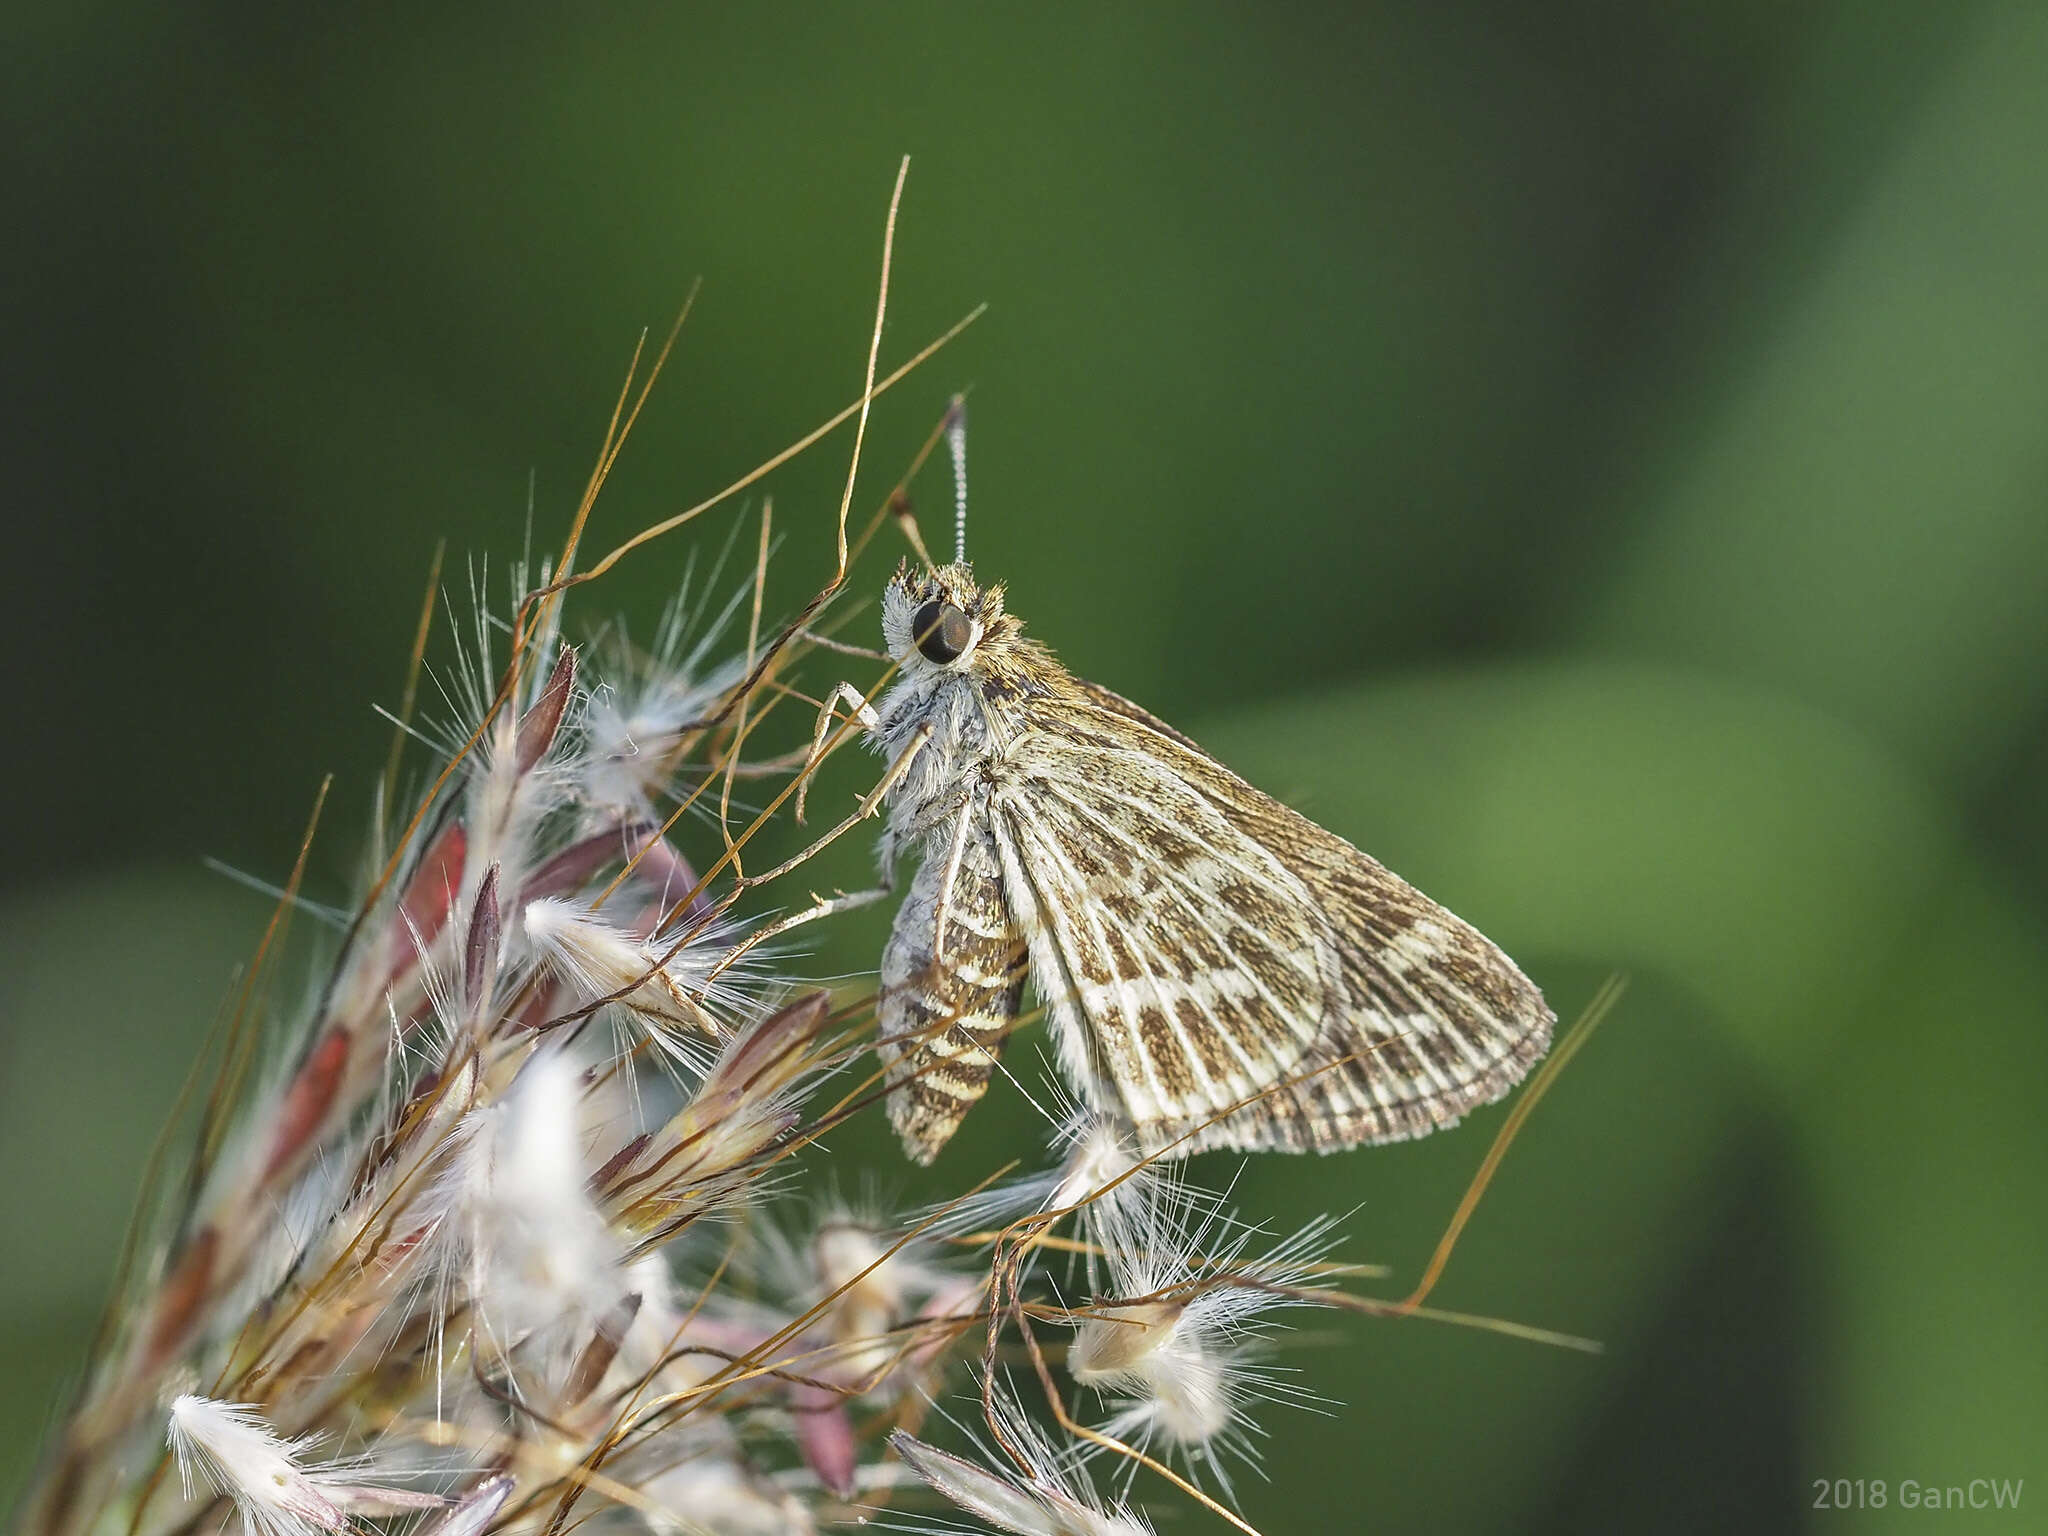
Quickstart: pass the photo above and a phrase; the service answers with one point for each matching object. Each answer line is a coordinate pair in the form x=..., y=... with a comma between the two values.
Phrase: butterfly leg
x=963, y=820
x=857, y=708
x=869, y=805
x=886, y=870
x=823, y=906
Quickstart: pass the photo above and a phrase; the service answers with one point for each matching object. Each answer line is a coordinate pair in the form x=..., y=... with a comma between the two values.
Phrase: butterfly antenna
x=956, y=444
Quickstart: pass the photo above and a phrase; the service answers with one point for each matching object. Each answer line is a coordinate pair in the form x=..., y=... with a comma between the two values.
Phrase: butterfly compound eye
x=941, y=631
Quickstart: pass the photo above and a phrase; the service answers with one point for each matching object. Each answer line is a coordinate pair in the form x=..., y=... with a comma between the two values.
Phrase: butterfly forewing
x=1186, y=1003
x=1224, y=970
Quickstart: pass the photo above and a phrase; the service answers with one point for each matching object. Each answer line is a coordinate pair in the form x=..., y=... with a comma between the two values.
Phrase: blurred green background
x=1593, y=455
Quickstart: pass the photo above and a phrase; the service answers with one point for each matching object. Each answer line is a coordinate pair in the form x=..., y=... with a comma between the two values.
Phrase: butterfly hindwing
x=1226, y=970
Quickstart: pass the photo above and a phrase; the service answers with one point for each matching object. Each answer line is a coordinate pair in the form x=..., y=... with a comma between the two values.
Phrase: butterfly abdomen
x=952, y=986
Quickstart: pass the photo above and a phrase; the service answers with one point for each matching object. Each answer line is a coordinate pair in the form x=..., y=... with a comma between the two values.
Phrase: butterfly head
x=942, y=621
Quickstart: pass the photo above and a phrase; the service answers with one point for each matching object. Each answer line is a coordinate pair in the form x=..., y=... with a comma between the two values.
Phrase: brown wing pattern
x=944, y=1009
x=1198, y=945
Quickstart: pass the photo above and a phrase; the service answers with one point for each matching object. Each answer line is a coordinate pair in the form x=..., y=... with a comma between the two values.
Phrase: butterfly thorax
x=967, y=713
x=952, y=976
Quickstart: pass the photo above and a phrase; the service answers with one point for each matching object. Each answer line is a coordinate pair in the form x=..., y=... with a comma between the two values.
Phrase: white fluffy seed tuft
x=1043, y=1502
x=535, y=1251
x=1179, y=1335
x=228, y=1448
x=603, y=961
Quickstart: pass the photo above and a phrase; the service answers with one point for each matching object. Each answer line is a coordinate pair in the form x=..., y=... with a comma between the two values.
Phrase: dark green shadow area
x=85, y=1094
x=1658, y=391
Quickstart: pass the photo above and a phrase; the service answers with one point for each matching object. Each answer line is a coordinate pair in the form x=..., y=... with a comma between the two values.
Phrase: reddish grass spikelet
x=529, y=1220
